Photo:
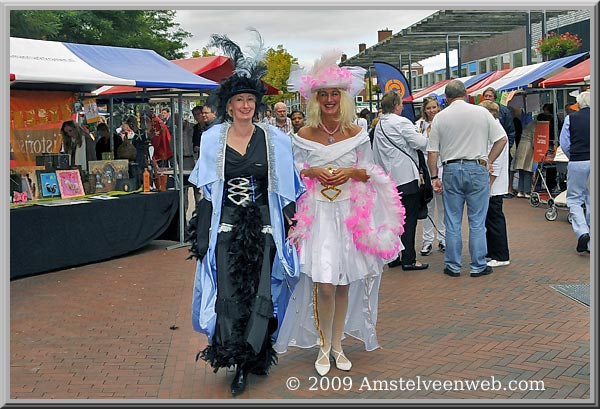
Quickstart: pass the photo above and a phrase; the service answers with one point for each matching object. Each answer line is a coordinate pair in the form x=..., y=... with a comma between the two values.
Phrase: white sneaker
x=496, y=263
x=426, y=250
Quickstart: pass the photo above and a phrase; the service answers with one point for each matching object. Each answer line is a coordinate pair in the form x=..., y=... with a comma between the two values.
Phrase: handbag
x=425, y=186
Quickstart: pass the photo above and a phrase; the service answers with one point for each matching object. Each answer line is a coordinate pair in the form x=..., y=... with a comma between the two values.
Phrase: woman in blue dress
x=246, y=267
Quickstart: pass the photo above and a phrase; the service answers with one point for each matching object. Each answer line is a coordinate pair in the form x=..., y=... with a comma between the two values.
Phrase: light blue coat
x=284, y=186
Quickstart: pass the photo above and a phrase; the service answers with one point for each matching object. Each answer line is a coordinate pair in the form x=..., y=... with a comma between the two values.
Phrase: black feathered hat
x=246, y=77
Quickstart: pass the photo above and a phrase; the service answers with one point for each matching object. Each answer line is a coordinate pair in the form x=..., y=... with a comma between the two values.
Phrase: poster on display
x=106, y=173
x=90, y=110
x=69, y=183
x=29, y=180
x=541, y=140
x=48, y=184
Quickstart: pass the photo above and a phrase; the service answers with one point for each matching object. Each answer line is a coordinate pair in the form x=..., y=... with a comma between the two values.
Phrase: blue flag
x=391, y=78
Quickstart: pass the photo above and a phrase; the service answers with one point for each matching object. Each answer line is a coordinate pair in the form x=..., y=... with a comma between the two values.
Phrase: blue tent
x=37, y=64
x=541, y=72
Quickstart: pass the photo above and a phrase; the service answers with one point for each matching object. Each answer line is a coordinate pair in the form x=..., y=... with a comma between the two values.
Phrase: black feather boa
x=246, y=258
x=191, y=236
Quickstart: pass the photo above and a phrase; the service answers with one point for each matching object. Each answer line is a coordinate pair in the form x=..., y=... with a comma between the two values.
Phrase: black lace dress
x=244, y=255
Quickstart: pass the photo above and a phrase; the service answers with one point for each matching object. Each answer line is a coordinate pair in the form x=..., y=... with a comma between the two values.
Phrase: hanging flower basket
x=558, y=45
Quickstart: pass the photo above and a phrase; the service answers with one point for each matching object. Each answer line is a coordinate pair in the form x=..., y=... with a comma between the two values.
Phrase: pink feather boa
x=382, y=239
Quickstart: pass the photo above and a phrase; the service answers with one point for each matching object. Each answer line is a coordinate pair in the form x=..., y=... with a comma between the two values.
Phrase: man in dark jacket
x=575, y=143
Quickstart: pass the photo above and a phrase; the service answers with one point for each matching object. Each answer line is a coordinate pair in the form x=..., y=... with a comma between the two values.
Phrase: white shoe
x=341, y=362
x=322, y=364
x=496, y=263
x=426, y=250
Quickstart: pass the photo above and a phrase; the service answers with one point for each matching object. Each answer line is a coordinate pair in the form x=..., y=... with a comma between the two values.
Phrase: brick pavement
x=121, y=329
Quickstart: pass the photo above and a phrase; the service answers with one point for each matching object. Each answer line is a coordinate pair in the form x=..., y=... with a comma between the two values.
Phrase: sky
x=305, y=34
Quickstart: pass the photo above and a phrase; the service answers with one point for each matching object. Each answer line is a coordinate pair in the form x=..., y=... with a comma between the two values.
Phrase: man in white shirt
x=460, y=135
x=395, y=149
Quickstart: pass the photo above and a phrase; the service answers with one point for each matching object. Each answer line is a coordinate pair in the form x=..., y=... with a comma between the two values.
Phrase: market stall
x=88, y=227
x=576, y=75
x=58, y=235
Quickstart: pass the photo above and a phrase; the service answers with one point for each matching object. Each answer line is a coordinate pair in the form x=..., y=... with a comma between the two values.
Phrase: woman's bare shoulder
x=307, y=133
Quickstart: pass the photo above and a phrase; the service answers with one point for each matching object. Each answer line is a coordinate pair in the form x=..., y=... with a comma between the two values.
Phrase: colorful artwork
x=28, y=176
x=47, y=184
x=107, y=173
x=69, y=183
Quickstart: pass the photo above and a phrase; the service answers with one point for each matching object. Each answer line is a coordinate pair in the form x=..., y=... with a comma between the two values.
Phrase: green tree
x=279, y=62
x=149, y=29
x=204, y=53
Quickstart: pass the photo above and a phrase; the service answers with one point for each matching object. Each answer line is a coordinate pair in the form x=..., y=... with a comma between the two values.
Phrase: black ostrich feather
x=247, y=75
x=252, y=65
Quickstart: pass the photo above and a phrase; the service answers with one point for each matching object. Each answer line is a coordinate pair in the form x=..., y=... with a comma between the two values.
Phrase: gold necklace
x=330, y=139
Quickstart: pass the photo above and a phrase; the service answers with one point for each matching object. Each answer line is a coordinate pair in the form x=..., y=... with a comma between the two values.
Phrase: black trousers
x=495, y=225
x=411, y=204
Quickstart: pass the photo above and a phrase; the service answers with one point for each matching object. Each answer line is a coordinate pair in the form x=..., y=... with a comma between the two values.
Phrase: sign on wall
x=35, y=121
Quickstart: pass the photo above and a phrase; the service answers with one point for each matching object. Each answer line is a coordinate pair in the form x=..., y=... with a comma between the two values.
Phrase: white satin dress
x=328, y=253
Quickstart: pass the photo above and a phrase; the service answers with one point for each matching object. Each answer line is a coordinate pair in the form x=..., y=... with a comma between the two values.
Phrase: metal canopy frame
x=427, y=38
x=178, y=172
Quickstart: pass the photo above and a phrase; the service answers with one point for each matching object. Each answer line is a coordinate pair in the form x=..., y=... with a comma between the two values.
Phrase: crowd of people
x=297, y=213
x=301, y=211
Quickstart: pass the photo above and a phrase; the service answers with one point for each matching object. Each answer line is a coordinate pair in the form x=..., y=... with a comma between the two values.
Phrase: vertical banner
x=35, y=121
x=541, y=140
x=391, y=78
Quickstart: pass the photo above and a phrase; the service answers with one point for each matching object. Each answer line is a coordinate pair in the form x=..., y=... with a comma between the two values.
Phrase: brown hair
x=66, y=139
x=389, y=101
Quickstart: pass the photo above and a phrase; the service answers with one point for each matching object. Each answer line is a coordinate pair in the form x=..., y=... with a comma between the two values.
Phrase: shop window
x=482, y=66
x=517, y=59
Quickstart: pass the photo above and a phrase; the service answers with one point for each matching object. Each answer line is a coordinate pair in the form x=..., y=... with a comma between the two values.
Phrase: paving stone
x=102, y=331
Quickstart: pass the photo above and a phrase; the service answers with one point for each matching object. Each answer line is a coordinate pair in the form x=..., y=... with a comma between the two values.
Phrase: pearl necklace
x=330, y=139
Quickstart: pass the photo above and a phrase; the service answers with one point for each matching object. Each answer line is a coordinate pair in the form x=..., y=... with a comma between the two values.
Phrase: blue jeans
x=465, y=183
x=578, y=193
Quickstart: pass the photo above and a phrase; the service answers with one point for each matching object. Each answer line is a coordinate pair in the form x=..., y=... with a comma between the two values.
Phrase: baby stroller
x=540, y=192
x=546, y=160
x=560, y=200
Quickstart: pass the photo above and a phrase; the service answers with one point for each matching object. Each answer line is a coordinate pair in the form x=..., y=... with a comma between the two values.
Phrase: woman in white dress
x=347, y=222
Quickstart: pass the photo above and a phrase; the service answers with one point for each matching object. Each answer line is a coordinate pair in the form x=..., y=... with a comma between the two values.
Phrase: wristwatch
x=434, y=177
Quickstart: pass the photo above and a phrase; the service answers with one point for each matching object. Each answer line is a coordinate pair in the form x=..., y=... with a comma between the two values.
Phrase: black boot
x=239, y=381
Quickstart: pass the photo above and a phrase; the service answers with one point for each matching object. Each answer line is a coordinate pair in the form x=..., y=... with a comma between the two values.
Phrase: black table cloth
x=45, y=238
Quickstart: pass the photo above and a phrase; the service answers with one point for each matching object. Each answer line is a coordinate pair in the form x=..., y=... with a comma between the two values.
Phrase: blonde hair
x=427, y=101
x=491, y=106
x=346, y=116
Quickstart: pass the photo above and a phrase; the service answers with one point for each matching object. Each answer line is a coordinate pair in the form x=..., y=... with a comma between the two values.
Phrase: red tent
x=426, y=91
x=488, y=80
x=214, y=68
x=577, y=73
